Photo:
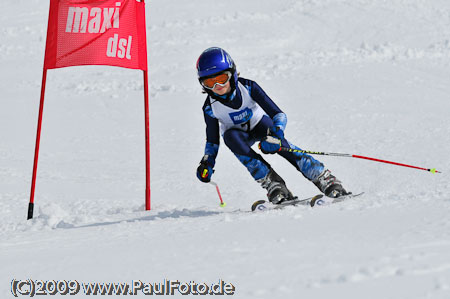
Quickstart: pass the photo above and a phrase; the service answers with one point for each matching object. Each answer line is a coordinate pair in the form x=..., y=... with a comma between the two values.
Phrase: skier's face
x=221, y=90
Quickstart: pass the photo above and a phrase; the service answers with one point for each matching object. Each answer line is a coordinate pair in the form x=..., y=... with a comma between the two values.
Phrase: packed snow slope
x=354, y=76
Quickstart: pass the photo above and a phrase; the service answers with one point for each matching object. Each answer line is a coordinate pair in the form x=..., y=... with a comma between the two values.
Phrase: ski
x=262, y=205
x=321, y=200
x=317, y=200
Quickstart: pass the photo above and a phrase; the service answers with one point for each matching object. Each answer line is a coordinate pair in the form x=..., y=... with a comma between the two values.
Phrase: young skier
x=247, y=115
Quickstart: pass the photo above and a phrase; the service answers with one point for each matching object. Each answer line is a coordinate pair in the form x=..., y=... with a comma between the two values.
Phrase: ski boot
x=277, y=192
x=330, y=185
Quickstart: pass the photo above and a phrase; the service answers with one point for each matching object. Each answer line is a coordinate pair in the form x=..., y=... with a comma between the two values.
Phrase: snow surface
x=354, y=76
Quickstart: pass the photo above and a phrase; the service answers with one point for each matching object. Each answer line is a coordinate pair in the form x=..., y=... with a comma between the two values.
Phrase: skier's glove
x=270, y=145
x=205, y=169
x=272, y=142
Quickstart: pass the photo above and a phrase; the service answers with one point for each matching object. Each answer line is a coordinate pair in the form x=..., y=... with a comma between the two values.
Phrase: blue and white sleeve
x=280, y=121
x=212, y=134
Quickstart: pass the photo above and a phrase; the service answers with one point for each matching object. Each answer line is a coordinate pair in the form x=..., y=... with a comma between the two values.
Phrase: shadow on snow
x=161, y=215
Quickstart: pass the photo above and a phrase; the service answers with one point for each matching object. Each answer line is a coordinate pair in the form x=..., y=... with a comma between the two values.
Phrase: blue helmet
x=214, y=61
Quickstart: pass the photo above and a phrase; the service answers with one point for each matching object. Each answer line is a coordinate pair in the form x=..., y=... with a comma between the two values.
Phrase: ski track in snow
x=361, y=77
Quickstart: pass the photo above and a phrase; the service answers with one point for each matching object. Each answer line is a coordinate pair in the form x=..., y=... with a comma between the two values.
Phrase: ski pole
x=286, y=149
x=222, y=203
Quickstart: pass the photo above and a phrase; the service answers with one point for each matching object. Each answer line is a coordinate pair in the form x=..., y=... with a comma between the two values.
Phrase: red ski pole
x=222, y=203
x=285, y=149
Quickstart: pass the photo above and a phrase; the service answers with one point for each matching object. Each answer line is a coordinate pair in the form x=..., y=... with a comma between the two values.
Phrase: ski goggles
x=220, y=79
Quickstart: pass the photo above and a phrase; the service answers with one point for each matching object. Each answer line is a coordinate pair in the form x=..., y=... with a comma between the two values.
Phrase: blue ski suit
x=243, y=119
